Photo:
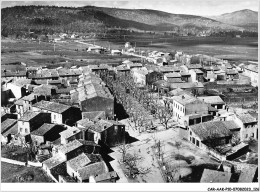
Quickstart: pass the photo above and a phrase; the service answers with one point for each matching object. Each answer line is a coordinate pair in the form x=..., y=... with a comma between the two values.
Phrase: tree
x=165, y=115
x=131, y=162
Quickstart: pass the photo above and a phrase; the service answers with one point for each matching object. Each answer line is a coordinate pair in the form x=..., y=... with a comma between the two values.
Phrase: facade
x=249, y=126
x=139, y=76
x=252, y=72
x=185, y=104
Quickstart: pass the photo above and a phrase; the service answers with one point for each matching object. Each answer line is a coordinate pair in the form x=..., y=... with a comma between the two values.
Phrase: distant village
x=69, y=121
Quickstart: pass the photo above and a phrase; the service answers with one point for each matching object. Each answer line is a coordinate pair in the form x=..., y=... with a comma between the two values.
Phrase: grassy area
x=15, y=173
x=15, y=153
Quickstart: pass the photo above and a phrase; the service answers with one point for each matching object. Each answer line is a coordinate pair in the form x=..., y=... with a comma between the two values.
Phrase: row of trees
x=141, y=104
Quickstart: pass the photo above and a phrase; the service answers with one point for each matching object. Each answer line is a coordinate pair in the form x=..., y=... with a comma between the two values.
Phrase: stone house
x=46, y=133
x=209, y=134
x=31, y=121
x=108, y=132
x=60, y=113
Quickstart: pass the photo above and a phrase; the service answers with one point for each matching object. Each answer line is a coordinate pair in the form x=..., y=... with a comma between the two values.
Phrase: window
x=197, y=143
x=246, y=136
x=21, y=129
x=190, y=133
x=193, y=140
x=54, y=116
x=252, y=135
x=26, y=130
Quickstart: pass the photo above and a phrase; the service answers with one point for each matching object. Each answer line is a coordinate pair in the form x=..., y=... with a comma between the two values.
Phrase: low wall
x=35, y=164
x=13, y=161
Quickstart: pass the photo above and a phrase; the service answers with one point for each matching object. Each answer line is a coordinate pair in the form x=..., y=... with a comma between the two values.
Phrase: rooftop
x=184, y=99
x=5, y=125
x=252, y=67
x=248, y=173
x=106, y=176
x=173, y=75
x=51, y=106
x=98, y=126
x=69, y=132
x=29, y=115
x=30, y=97
x=207, y=130
x=53, y=162
x=44, y=89
x=93, y=115
x=93, y=170
x=186, y=85
x=13, y=130
x=43, y=129
x=79, y=162
x=75, y=144
x=246, y=118
x=212, y=99
x=212, y=176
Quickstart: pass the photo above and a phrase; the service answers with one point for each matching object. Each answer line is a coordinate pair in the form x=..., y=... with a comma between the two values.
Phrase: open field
x=15, y=173
x=221, y=47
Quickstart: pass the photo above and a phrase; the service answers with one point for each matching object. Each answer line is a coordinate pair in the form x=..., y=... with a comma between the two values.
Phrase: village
x=149, y=117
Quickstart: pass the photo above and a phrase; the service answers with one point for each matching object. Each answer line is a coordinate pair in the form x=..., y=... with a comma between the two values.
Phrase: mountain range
x=244, y=18
x=98, y=19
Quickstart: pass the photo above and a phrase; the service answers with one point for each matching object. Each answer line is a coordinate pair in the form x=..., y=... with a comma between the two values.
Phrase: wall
x=196, y=107
x=17, y=91
x=23, y=127
x=38, y=139
x=40, y=119
x=13, y=161
x=71, y=116
x=99, y=104
x=112, y=137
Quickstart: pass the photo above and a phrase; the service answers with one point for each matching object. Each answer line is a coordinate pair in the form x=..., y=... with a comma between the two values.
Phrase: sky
x=192, y=7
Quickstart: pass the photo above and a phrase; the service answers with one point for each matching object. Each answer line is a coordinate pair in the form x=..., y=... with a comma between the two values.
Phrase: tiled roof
x=28, y=116
x=75, y=144
x=43, y=129
x=184, y=99
x=19, y=102
x=173, y=75
x=231, y=72
x=69, y=132
x=248, y=173
x=41, y=82
x=79, y=162
x=212, y=176
x=93, y=170
x=177, y=92
x=53, y=162
x=212, y=100
x=30, y=97
x=5, y=125
x=13, y=74
x=246, y=118
x=44, y=89
x=44, y=73
x=98, y=126
x=194, y=66
x=210, y=129
x=186, y=85
x=122, y=68
x=252, y=67
x=93, y=115
x=198, y=71
x=64, y=90
x=22, y=82
x=51, y=106
x=106, y=176
x=184, y=73
x=231, y=125
x=13, y=130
